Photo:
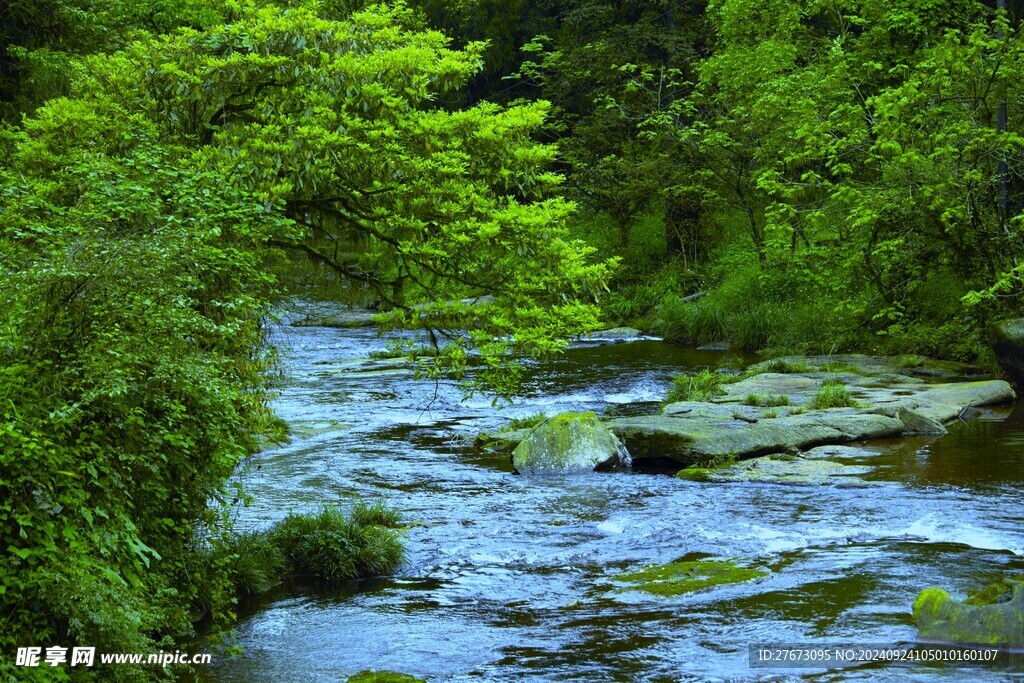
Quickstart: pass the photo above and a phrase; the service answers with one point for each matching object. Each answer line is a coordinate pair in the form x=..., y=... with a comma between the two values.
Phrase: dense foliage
x=141, y=214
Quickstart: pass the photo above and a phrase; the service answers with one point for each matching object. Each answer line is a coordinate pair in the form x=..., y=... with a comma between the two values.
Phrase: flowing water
x=512, y=578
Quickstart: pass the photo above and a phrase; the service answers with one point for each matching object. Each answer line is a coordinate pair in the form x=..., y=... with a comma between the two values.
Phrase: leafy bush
x=133, y=380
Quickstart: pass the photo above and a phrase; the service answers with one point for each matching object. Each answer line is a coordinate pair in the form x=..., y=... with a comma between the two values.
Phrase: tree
x=610, y=69
x=138, y=217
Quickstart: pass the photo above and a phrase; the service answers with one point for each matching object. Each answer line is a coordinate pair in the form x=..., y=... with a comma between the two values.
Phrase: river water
x=511, y=578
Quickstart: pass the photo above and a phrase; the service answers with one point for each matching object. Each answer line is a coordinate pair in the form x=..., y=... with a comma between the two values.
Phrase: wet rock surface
x=782, y=407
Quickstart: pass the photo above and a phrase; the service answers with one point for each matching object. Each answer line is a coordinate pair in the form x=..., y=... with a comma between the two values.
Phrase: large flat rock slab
x=780, y=406
x=687, y=441
x=343, y=319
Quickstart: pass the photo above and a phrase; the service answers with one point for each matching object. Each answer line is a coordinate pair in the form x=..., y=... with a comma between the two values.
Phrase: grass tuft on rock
x=833, y=396
x=703, y=386
x=784, y=366
x=525, y=422
x=335, y=548
x=767, y=400
x=329, y=545
x=377, y=513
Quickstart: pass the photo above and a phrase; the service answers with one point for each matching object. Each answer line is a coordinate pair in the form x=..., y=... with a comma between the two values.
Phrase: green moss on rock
x=569, y=442
x=678, y=578
x=981, y=619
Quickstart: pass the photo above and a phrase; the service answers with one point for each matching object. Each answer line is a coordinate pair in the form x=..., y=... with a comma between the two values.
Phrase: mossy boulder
x=570, y=442
x=1008, y=346
x=679, y=578
x=995, y=617
x=382, y=677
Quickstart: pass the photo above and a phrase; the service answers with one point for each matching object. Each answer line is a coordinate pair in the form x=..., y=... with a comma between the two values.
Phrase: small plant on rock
x=767, y=400
x=700, y=387
x=833, y=396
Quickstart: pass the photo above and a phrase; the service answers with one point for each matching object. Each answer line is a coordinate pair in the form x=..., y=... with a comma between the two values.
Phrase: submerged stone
x=988, y=621
x=778, y=469
x=570, y=442
x=678, y=578
x=502, y=440
x=383, y=677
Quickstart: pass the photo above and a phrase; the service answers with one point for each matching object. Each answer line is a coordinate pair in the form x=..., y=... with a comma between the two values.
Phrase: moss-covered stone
x=981, y=619
x=569, y=442
x=382, y=677
x=678, y=578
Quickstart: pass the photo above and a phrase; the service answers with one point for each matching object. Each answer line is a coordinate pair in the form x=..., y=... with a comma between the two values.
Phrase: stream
x=512, y=578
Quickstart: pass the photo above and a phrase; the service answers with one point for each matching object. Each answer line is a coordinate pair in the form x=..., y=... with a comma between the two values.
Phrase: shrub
x=377, y=513
x=257, y=563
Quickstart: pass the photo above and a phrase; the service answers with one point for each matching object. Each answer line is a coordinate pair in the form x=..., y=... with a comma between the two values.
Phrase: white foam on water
x=934, y=530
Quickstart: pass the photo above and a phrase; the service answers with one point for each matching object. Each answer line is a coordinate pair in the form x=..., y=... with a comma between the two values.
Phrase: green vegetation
x=703, y=469
x=331, y=547
x=832, y=395
x=382, y=677
x=986, y=617
x=525, y=422
x=784, y=366
x=328, y=545
x=767, y=401
x=144, y=213
x=679, y=578
x=700, y=387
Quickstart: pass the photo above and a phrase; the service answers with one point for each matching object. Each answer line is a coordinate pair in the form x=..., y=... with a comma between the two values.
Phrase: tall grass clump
x=833, y=396
x=703, y=386
x=334, y=547
x=767, y=400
